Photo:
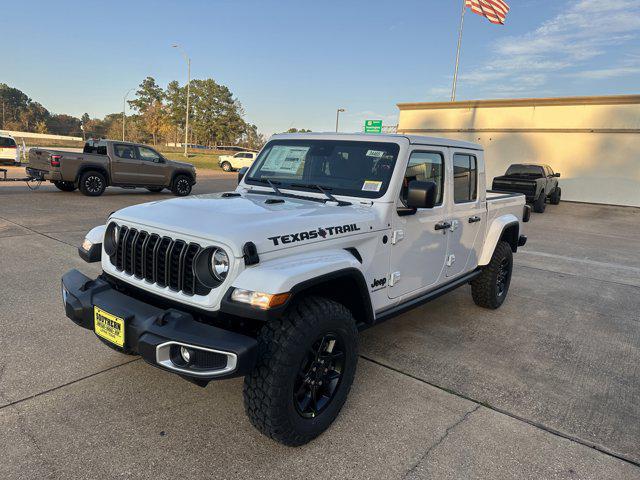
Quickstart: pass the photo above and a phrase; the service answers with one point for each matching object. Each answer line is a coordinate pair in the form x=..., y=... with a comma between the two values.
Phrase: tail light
x=55, y=160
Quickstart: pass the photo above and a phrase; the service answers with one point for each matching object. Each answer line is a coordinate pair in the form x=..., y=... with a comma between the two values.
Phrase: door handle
x=474, y=219
x=442, y=225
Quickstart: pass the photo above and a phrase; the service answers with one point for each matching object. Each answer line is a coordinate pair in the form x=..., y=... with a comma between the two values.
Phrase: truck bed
x=40, y=163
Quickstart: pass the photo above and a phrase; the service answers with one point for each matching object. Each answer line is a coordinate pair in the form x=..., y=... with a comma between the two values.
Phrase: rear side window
x=6, y=142
x=98, y=147
x=465, y=178
x=124, y=151
x=425, y=167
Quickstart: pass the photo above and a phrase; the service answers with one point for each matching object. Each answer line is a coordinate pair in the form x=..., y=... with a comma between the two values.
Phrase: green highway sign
x=373, y=126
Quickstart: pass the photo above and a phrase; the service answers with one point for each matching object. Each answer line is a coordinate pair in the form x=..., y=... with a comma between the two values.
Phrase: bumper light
x=185, y=353
x=86, y=245
x=259, y=299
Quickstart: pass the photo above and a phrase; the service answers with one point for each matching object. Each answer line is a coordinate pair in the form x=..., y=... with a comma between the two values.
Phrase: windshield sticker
x=375, y=153
x=285, y=159
x=371, y=186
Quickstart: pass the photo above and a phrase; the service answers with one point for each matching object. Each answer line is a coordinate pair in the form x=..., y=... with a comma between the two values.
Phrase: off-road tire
x=540, y=203
x=556, y=196
x=92, y=183
x=226, y=166
x=181, y=186
x=283, y=345
x=155, y=189
x=65, y=186
x=485, y=288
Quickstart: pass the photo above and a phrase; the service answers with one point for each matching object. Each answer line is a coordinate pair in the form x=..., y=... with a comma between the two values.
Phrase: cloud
x=567, y=42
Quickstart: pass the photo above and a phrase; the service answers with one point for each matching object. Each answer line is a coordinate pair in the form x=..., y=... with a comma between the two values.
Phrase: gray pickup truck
x=537, y=182
x=105, y=163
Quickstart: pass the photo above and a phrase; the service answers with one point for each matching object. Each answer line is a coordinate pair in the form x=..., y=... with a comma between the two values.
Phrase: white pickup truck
x=325, y=234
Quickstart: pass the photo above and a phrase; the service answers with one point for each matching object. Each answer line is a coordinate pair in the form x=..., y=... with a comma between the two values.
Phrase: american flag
x=494, y=10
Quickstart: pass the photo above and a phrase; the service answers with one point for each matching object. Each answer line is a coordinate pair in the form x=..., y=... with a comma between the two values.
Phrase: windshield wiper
x=271, y=183
x=323, y=189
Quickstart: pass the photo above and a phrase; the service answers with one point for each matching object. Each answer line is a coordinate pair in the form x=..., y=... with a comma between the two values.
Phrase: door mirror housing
x=421, y=194
x=556, y=175
x=241, y=173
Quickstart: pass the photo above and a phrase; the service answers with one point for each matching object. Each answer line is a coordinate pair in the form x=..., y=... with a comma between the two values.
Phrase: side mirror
x=421, y=194
x=241, y=173
x=556, y=175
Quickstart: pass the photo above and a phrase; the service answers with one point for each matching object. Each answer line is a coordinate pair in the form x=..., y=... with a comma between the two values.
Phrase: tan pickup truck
x=105, y=163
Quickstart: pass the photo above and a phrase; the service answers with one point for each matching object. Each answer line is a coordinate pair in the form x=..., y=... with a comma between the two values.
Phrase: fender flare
x=92, y=166
x=494, y=234
x=296, y=275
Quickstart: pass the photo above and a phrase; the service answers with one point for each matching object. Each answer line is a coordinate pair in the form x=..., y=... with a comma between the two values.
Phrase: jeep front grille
x=160, y=260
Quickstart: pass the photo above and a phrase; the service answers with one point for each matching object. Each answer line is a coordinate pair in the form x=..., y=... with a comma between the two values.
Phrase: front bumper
x=152, y=332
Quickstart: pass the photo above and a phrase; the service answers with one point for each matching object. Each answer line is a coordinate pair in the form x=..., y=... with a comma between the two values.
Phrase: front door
x=418, y=249
x=152, y=167
x=468, y=215
x=125, y=165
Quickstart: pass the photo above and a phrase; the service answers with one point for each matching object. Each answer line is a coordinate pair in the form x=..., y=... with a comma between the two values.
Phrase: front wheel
x=490, y=288
x=556, y=196
x=226, y=166
x=181, y=186
x=64, y=186
x=306, y=365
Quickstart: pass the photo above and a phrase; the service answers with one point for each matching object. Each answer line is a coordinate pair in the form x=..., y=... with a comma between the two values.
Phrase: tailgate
x=39, y=159
x=520, y=185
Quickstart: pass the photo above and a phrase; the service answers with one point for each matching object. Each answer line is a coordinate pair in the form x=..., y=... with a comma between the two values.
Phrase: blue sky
x=292, y=63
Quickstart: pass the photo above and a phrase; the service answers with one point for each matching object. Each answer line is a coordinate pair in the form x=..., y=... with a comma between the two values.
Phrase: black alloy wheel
x=319, y=376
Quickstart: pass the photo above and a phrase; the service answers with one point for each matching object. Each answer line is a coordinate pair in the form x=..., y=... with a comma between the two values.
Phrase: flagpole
x=455, y=73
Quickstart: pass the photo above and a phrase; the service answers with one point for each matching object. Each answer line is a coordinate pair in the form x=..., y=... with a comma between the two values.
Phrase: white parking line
x=581, y=260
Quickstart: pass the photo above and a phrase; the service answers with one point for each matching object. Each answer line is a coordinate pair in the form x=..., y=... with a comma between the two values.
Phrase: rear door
x=418, y=249
x=152, y=166
x=125, y=165
x=468, y=213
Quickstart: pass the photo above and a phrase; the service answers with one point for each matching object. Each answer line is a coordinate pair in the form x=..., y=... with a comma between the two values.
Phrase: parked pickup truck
x=229, y=163
x=111, y=162
x=536, y=182
x=325, y=235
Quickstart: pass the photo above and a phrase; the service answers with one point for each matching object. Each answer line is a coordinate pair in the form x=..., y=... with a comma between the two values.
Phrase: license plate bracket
x=108, y=326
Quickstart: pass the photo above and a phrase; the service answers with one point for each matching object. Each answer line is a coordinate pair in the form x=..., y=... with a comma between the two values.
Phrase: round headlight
x=111, y=238
x=220, y=264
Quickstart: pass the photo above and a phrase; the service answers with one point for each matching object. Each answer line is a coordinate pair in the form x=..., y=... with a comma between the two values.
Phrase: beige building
x=594, y=142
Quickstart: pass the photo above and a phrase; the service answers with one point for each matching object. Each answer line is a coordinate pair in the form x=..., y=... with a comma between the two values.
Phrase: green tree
x=176, y=103
x=147, y=94
x=217, y=115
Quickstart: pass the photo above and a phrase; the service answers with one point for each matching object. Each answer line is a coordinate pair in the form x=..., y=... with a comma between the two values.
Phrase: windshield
x=356, y=169
x=525, y=170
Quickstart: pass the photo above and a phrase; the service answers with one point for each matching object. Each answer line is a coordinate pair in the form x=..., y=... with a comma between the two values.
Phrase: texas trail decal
x=313, y=234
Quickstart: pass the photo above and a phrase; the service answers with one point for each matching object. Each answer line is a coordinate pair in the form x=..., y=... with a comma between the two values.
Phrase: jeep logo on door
x=378, y=283
x=312, y=234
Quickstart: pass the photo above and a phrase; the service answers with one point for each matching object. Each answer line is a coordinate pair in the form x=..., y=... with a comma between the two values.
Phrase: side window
x=124, y=151
x=148, y=154
x=426, y=167
x=465, y=178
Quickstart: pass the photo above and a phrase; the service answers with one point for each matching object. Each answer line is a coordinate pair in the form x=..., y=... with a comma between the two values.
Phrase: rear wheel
x=181, y=186
x=540, y=204
x=92, y=183
x=306, y=364
x=64, y=186
x=226, y=166
x=556, y=196
x=490, y=288
x=155, y=189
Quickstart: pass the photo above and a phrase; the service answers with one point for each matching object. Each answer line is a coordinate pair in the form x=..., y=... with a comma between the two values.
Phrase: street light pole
x=124, y=107
x=186, y=122
x=338, y=117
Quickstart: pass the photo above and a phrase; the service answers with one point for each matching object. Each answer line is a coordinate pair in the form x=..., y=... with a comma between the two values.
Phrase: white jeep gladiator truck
x=326, y=234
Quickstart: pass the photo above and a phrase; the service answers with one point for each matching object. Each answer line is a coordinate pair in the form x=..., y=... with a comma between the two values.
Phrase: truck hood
x=270, y=222
x=177, y=163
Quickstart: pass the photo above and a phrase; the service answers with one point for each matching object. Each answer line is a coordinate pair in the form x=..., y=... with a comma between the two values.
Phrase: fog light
x=185, y=353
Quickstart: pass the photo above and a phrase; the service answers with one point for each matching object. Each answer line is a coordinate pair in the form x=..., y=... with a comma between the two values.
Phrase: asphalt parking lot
x=548, y=386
